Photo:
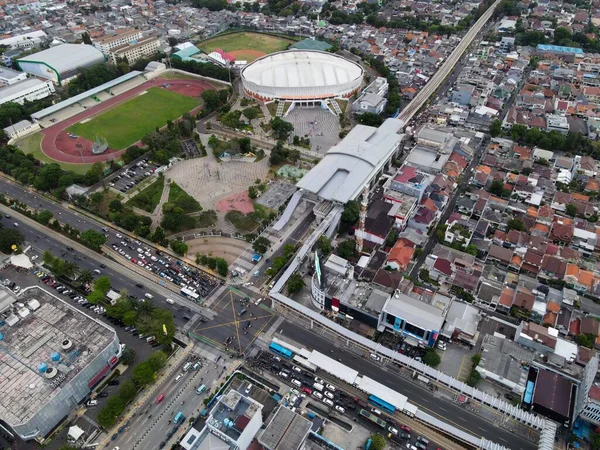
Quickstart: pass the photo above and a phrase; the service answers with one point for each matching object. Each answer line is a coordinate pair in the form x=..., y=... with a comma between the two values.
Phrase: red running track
x=56, y=144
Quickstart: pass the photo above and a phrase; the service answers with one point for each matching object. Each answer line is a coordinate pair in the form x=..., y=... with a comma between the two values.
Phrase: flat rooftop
x=415, y=312
x=286, y=431
x=40, y=329
x=233, y=413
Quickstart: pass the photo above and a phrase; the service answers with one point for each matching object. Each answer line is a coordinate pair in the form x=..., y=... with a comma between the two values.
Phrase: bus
x=303, y=362
x=187, y=292
x=382, y=404
x=373, y=418
x=179, y=418
x=281, y=351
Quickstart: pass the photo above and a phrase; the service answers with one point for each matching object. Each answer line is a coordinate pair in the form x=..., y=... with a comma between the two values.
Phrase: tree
x=70, y=269
x=571, y=210
x=143, y=374
x=128, y=356
x=128, y=391
x=324, y=245
x=377, y=442
x=349, y=215
x=115, y=206
x=252, y=192
x=8, y=238
x=261, y=244
x=222, y=267
x=211, y=99
x=102, y=284
x=347, y=249
x=515, y=224
x=251, y=113
x=497, y=188
x=585, y=340
x=93, y=239
x=295, y=283
x=496, y=128
x=44, y=217
x=281, y=128
x=431, y=358
x=179, y=247
x=85, y=276
x=157, y=361
x=370, y=119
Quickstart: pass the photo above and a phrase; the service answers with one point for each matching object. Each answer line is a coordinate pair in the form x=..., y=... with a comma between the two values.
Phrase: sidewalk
x=132, y=409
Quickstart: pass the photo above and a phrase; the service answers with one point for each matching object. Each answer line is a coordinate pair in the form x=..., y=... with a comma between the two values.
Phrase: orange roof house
x=400, y=255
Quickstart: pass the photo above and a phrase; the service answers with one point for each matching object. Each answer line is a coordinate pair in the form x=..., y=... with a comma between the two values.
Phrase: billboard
x=318, y=268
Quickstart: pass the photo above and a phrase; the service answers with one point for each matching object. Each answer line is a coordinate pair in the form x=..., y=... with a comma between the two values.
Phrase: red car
x=133, y=260
x=307, y=390
x=160, y=398
x=405, y=428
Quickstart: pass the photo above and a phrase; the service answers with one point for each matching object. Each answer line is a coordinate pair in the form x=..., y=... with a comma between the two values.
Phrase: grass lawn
x=183, y=200
x=244, y=223
x=31, y=145
x=149, y=197
x=128, y=122
x=257, y=42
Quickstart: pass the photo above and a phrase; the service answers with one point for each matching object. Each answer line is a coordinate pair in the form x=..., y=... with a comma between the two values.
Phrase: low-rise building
x=30, y=90
x=144, y=48
x=10, y=76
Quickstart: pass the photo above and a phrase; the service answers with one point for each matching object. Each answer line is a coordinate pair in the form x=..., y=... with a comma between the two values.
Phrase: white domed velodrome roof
x=302, y=74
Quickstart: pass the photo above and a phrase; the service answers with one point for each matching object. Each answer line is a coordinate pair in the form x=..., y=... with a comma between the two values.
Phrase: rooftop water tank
x=55, y=356
x=42, y=367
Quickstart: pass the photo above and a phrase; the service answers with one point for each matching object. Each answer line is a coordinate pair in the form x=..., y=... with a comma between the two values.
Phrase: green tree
x=431, y=358
x=179, y=247
x=157, y=361
x=93, y=239
x=115, y=206
x=497, y=188
x=261, y=244
x=106, y=418
x=252, y=192
x=571, y=210
x=370, y=119
x=85, y=276
x=324, y=245
x=211, y=100
x=70, y=269
x=585, y=340
x=347, y=249
x=143, y=374
x=8, y=238
x=281, y=129
x=102, y=284
x=44, y=217
x=251, y=113
x=496, y=128
x=377, y=442
x=128, y=391
x=128, y=356
x=349, y=215
x=295, y=283
x=222, y=267
x=515, y=224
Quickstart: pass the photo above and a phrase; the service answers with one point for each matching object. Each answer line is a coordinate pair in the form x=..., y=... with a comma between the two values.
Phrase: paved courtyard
x=277, y=194
x=319, y=125
x=209, y=181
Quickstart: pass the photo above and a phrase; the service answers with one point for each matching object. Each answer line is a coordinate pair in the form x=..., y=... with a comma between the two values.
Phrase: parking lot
x=237, y=324
x=126, y=179
x=329, y=400
x=194, y=284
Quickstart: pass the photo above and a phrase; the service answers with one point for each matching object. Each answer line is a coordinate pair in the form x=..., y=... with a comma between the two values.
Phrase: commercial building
x=301, y=75
x=144, y=48
x=52, y=356
x=9, y=76
x=30, y=89
x=62, y=62
x=286, y=431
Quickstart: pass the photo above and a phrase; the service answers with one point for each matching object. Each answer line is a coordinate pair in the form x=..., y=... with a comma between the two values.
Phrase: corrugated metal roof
x=67, y=57
x=18, y=87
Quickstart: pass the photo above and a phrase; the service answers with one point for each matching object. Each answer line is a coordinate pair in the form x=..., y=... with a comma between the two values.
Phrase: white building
x=108, y=43
x=61, y=63
x=557, y=123
x=9, y=76
x=143, y=48
x=21, y=129
x=30, y=89
x=24, y=41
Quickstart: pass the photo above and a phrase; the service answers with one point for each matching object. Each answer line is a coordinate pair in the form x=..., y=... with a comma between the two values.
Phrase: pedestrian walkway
x=271, y=331
x=164, y=198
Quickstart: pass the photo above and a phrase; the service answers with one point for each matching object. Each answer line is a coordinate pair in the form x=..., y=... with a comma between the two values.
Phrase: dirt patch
x=227, y=248
x=236, y=202
x=246, y=54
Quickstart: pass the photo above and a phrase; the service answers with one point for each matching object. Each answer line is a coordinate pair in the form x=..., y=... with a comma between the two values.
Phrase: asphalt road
x=445, y=410
x=121, y=278
x=153, y=421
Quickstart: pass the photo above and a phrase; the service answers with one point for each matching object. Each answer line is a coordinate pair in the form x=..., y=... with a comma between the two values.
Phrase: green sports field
x=127, y=123
x=246, y=45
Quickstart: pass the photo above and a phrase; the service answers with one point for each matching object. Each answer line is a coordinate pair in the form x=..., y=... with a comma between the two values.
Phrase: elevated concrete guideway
x=436, y=80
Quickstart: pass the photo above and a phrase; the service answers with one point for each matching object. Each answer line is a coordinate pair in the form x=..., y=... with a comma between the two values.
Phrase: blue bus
x=281, y=351
x=178, y=418
x=528, y=393
x=382, y=404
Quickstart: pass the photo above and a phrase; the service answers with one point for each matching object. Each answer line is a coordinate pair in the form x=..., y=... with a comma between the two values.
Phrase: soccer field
x=245, y=45
x=127, y=123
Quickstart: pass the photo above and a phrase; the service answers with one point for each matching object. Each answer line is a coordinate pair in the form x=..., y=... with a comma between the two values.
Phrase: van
x=196, y=366
x=187, y=366
x=376, y=411
x=178, y=377
x=150, y=296
x=200, y=389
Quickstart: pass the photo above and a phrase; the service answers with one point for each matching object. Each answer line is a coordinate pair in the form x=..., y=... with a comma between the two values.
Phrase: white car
x=327, y=402
x=319, y=380
x=119, y=235
x=441, y=346
x=317, y=394
x=283, y=375
x=34, y=257
x=340, y=409
x=328, y=395
x=393, y=431
x=331, y=387
x=92, y=402
x=170, y=301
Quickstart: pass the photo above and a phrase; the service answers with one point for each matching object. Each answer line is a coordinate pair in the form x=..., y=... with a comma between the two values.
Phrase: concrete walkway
x=164, y=198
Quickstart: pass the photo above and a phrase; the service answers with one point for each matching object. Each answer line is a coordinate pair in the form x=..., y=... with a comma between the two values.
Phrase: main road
x=449, y=65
